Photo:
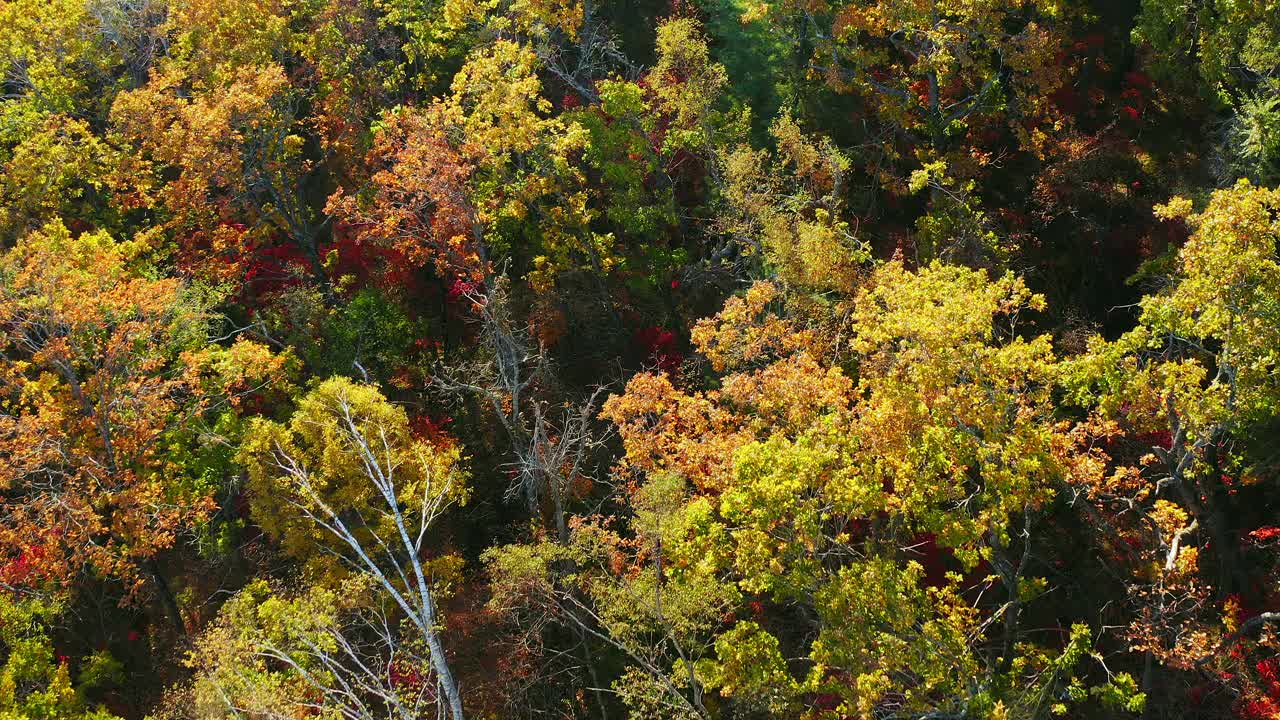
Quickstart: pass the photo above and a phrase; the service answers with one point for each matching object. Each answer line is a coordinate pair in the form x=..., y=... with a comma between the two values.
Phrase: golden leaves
x=745, y=333
x=421, y=200
x=236, y=156
x=98, y=364
x=664, y=429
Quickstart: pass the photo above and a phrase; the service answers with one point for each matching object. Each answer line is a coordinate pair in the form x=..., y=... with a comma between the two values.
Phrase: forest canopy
x=648, y=360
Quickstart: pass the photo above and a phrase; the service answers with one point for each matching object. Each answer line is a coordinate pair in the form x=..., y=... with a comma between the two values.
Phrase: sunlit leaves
x=947, y=428
x=101, y=363
x=34, y=681
x=53, y=61
x=225, y=164
x=318, y=461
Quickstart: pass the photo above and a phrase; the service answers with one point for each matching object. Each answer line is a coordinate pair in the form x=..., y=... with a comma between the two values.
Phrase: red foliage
x=274, y=268
x=1159, y=438
x=405, y=677
x=25, y=568
x=373, y=264
x=660, y=346
x=419, y=205
x=432, y=430
x=1134, y=79
x=683, y=9
x=1260, y=709
x=1264, y=535
x=459, y=288
x=1269, y=671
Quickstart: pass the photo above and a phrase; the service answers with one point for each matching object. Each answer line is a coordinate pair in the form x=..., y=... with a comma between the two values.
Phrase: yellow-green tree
x=345, y=480
x=54, y=62
x=320, y=651
x=34, y=682
x=1194, y=388
x=789, y=206
x=798, y=486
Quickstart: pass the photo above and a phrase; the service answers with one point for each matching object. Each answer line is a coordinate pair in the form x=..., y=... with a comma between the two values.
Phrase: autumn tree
x=658, y=144
x=54, y=64
x=812, y=359
x=60, y=169
x=867, y=504
x=1231, y=48
x=235, y=152
x=345, y=482
x=788, y=209
x=333, y=651
x=419, y=201
x=34, y=680
x=1225, y=53
x=1193, y=388
x=629, y=595
x=941, y=88
x=103, y=365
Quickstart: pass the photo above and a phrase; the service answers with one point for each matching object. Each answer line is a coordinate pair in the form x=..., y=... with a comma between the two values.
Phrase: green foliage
x=1253, y=148
x=620, y=151
x=688, y=86
x=787, y=207
x=948, y=428
x=758, y=62
x=1213, y=41
x=749, y=668
x=368, y=330
x=60, y=169
x=35, y=684
x=266, y=650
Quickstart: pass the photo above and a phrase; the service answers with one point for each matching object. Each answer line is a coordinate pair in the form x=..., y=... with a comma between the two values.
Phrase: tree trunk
x=167, y=600
x=444, y=675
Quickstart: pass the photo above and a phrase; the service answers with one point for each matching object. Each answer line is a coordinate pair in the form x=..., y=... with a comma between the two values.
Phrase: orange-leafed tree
x=419, y=201
x=225, y=167
x=101, y=368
